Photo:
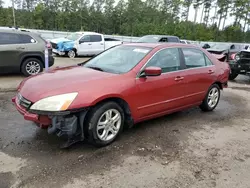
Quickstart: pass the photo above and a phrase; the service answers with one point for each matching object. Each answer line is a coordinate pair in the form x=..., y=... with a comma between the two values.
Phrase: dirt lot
x=185, y=149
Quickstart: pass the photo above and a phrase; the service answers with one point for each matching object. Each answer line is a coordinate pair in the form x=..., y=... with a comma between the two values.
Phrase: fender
x=114, y=96
x=31, y=54
x=106, y=97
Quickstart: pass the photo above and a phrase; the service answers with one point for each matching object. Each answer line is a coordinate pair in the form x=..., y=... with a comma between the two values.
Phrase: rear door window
x=208, y=61
x=194, y=58
x=95, y=38
x=173, y=39
x=9, y=38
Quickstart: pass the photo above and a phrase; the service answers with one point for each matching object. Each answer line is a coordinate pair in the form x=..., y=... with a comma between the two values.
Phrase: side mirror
x=81, y=41
x=151, y=71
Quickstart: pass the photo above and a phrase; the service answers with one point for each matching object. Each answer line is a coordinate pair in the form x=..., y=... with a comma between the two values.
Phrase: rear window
x=9, y=38
x=111, y=39
x=24, y=39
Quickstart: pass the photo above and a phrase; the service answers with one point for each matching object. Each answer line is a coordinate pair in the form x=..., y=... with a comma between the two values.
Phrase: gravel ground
x=186, y=149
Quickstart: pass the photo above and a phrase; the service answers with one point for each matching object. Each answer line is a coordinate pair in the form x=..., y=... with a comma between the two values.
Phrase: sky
x=229, y=20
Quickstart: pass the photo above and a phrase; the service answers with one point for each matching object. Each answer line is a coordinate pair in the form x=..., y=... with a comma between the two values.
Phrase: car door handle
x=89, y=44
x=179, y=78
x=101, y=43
x=210, y=72
x=20, y=48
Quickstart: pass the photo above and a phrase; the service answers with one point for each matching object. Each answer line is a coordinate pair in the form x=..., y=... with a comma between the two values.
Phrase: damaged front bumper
x=68, y=124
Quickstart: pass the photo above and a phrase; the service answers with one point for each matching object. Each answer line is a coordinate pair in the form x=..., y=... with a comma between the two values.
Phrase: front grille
x=245, y=55
x=23, y=102
x=54, y=45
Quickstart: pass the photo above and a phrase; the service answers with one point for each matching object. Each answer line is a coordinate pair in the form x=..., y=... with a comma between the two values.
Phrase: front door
x=85, y=46
x=200, y=74
x=162, y=93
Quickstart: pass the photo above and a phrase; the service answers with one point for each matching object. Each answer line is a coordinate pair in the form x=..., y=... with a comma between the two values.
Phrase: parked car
x=61, y=46
x=225, y=51
x=205, y=46
x=85, y=44
x=122, y=86
x=158, y=38
x=240, y=64
x=183, y=41
x=22, y=51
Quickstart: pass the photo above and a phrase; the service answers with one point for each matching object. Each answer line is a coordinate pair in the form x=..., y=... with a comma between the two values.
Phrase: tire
x=29, y=64
x=71, y=54
x=206, y=105
x=99, y=114
x=233, y=75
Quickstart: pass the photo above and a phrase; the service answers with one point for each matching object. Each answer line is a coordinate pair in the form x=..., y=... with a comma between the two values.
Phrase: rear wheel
x=105, y=122
x=212, y=99
x=31, y=66
x=233, y=75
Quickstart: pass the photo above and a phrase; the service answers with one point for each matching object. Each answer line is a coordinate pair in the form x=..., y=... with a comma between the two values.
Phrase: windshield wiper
x=95, y=68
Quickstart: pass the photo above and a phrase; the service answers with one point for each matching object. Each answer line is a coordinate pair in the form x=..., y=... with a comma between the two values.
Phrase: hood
x=59, y=40
x=60, y=81
x=65, y=46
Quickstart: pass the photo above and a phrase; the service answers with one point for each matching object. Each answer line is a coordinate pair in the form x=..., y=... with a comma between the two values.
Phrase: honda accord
x=120, y=87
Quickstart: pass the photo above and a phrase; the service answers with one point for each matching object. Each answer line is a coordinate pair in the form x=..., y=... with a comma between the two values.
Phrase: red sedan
x=122, y=86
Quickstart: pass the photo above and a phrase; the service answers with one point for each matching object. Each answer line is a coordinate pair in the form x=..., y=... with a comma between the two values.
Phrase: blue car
x=61, y=46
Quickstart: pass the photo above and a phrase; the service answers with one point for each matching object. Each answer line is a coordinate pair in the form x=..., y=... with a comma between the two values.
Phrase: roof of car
x=162, y=45
x=87, y=32
x=14, y=31
x=162, y=36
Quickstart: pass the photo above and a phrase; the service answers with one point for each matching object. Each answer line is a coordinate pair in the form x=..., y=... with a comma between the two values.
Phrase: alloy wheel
x=33, y=67
x=213, y=97
x=109, y=125
x=71, y=54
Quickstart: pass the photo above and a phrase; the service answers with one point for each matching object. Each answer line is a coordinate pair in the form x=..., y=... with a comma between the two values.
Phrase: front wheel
x=72, y=54
x=212, y=99
x=105, y=122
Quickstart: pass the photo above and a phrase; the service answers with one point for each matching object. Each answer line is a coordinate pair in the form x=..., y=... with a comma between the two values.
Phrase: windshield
x=74, y=36
x=221, y=46
x=119, y=59
x=149, y=39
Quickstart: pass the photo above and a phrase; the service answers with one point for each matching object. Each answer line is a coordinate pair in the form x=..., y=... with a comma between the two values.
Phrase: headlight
x=75, y=44
x=55, y=103
x=237, y=57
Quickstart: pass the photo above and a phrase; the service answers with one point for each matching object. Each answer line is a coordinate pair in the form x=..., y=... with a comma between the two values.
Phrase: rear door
x=97, y=43
x=200, y=74
x=11, y=49
x=165, y=92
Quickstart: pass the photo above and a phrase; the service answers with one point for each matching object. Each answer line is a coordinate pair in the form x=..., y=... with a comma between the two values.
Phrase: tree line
x=136, y=17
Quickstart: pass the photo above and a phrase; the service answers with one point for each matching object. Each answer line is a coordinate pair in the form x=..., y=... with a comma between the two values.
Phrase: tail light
x=48, y=45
